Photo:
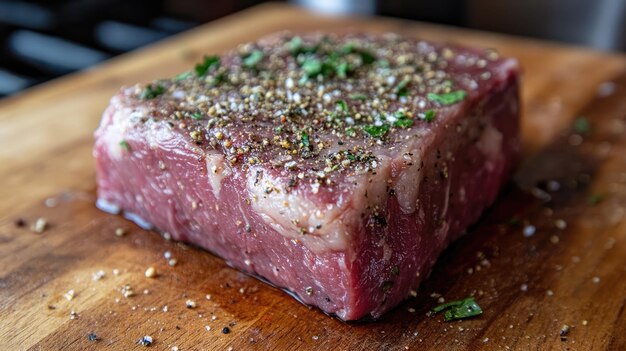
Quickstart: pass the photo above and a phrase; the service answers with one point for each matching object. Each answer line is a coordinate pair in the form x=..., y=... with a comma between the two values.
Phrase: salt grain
x=150, y=272
x=120, y=232
x=95, y=276
x=69, y=296
x=529, y=230
x=40, y=225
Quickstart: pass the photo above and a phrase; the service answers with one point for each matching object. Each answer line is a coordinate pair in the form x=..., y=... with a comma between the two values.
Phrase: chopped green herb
x=401, y=88
x=295, y=44
x=351, y=132
x=402, y=121
x=209, y=63
x=312, y=67
x=429, y=115
x=596, y=199
x=376, y=131
x=253, y=59
x=342, y=105
x=196, y=115
x=581, y=125
x=358, y=96
x=459, y=309
x=152, y=91
x=219, y=78
x=343, y=69
x=304, y=138
x=366, y=56
x=450, y=98
x=296, y=47
x=124, y=145
x=183, y=76
x=350, y=155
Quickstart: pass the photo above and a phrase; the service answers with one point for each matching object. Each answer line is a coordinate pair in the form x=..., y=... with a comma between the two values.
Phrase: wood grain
x=529, y=287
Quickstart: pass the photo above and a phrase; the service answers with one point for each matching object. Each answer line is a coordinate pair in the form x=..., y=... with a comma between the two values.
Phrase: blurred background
x=44, y=39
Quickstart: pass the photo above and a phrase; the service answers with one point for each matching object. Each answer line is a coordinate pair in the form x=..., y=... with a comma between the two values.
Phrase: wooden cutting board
x=570, y=271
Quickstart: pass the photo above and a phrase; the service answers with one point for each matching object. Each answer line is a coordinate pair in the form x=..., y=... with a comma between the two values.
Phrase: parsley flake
x=342, y=105
x=124, y=145
x=196, y=115
x=446, y=99
x=429, y=115
x=358, y=96
x=152, y=91
x=304, y=138
x=296, y=47
x=581, y=125
x=351, y=132
x=209, y=63
x=312, y=67
x=402, y=120
x=459, y=309
x=376, y=131
x=401, y=88
x=183, y=76
x=343, y=69
x=253, y=59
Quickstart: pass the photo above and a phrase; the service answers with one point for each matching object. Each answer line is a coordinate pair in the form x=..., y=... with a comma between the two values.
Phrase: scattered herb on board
x=124, y=145
x=581, y=125
x=596, y=199
x=459, y=309
x=196, y=115
x=253, y=59
x=152, y=91
x=209, y=63
x=446, y=99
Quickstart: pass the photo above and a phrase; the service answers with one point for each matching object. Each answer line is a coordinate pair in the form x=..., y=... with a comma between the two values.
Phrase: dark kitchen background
x=44, y=39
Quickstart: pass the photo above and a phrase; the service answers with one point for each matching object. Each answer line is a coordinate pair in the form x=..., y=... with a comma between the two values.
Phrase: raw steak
x=335, y=166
